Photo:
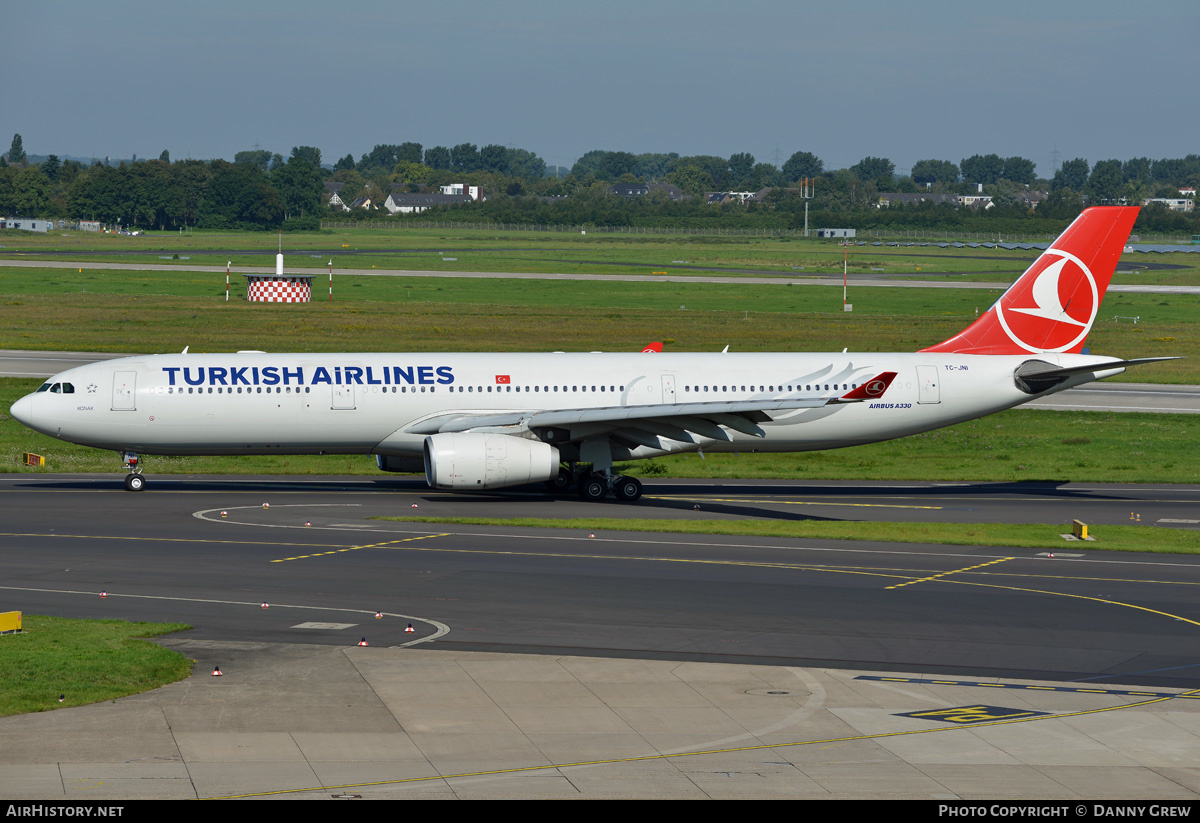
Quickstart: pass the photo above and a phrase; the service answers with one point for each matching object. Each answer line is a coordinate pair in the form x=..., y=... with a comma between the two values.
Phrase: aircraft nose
x=22, y=410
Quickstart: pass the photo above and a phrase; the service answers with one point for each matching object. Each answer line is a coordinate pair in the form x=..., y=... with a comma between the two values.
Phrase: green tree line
x=264, y=190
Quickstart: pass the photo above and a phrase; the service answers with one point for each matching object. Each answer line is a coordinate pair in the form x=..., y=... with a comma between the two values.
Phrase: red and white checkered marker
x=362, y=642
x=591, y=535
x=217, y=672
x=378, y=615
x=277, y=289
x=103, y=593
x=410, y=629
x=414, y=505
x=224, y=514
x=264, y=605
x=266, y=505
x=307, y=523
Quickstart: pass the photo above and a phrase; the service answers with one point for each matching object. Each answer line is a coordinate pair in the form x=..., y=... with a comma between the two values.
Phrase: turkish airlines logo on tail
x=1052, y=306
x=875, y=388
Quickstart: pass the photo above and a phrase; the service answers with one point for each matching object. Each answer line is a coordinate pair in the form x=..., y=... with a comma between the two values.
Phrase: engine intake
x=463, y=460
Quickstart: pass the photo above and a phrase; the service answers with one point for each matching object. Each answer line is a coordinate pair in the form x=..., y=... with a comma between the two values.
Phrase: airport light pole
x=806, y=192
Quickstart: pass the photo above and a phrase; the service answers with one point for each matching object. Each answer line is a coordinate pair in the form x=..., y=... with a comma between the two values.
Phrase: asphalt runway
x=207, y=552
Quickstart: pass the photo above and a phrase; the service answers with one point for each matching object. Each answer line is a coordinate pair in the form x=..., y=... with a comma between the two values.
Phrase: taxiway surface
x=210, y=551
x=555, y=663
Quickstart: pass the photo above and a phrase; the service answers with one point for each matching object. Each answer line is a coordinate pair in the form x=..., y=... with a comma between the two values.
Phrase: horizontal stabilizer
x=1105, y=366
x=1037, y=376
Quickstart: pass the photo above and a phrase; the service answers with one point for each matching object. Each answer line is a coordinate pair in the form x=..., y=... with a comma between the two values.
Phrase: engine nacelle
x=463, y=460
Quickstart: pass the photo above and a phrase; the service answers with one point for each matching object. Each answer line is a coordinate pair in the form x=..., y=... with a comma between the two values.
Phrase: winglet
x=870, y=390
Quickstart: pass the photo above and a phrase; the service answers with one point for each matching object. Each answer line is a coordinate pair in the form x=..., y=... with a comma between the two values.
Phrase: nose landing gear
x=134, y=482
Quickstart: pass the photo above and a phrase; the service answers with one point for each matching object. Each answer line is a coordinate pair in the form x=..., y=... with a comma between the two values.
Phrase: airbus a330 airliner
x=488, y=421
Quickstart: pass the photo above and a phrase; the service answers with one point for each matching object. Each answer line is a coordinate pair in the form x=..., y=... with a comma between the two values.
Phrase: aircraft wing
x=645, y=424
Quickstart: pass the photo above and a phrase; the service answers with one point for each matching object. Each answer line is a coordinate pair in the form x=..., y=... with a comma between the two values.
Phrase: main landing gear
x=594, y=485
x=134, y=482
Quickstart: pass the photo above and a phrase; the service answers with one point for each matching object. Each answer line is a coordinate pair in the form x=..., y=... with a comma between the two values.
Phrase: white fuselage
x=256, y=403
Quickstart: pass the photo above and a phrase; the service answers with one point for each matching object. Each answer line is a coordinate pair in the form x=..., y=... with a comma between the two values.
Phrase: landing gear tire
x=593, y=487
x=627, y=489
x=561, y=481
x=134, y=482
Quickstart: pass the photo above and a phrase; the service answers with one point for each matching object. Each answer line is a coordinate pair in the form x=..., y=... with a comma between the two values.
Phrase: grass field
x=145, y=311
x=84, y=661
x=421, y=248
x=139, y=311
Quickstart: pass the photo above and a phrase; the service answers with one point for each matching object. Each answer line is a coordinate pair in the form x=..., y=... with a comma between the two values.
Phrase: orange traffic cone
x=217, y=672
x=362, y=642
x=410, y=629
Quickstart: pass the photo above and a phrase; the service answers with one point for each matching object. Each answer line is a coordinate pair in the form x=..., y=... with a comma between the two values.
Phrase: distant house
x=474, y=192
x=975, y=201
x=892, y=198
x=763, y=194
x=362, y=203
x=332, y=198
x=1032, y=197
x=1183, y=204
x=722, y=197
x=1187, y=191
x=643, y=189
x=406, y=202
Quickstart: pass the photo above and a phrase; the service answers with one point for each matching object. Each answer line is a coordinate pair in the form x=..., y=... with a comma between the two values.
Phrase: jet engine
x=464, y=460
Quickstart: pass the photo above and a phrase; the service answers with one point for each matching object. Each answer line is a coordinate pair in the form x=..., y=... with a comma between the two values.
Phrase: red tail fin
x=1052, y=305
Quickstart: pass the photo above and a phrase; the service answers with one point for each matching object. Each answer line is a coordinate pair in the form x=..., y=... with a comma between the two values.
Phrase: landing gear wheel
x=561, y=481
x=627, y=489
x=593, y=487
x=134, y=482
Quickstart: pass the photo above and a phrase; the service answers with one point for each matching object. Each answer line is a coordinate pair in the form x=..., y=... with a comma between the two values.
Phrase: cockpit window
x=56, y=388
x=44, y=387
x=68, y=388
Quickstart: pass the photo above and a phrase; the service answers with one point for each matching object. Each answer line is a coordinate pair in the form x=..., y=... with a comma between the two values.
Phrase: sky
x=923, y=79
